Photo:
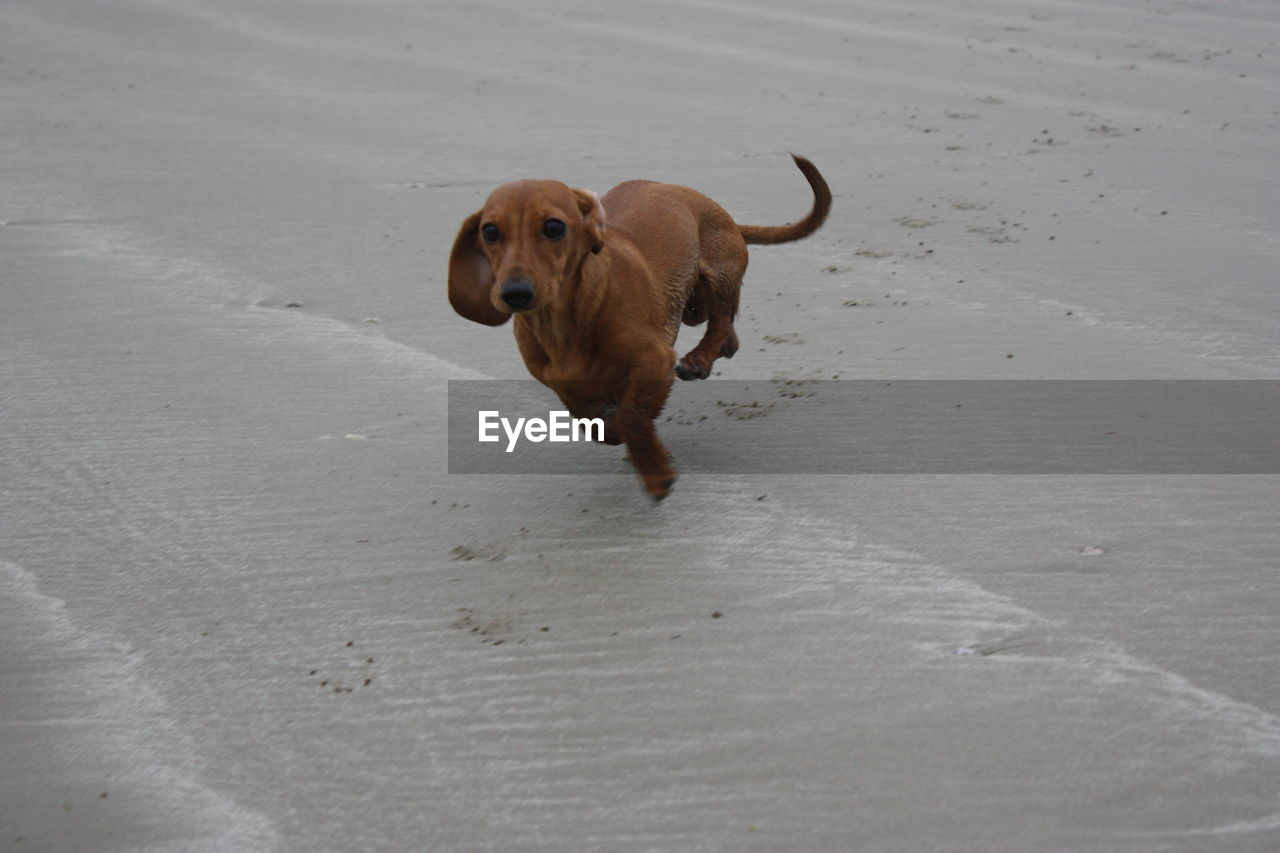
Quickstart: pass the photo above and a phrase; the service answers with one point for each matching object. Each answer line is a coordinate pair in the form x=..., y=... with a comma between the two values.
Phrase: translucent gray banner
x=892, y=427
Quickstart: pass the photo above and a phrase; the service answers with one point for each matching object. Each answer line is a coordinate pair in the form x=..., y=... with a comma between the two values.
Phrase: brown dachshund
x=599, y=288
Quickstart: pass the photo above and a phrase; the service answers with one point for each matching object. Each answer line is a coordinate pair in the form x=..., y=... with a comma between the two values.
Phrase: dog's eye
x=490, y=233
x=554, y=229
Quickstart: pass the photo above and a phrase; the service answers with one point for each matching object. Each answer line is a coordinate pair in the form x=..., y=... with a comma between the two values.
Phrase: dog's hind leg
x=716, y=295
x=730, y=346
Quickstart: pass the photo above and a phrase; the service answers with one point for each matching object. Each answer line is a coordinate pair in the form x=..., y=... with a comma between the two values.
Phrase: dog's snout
x=518, y=294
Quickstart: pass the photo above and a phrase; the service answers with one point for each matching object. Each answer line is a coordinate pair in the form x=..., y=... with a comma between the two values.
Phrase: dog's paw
x=687, y=372
x=659, y=489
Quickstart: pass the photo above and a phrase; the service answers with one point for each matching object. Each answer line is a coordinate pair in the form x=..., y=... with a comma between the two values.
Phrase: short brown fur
x=598, y=305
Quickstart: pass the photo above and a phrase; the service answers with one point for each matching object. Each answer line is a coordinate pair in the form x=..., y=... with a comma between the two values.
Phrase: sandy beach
x=245, y=606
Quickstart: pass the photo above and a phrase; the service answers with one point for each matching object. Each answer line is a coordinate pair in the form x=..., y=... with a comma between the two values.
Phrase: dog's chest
x=575, y=367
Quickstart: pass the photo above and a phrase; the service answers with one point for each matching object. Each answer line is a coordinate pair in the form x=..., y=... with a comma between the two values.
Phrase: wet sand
x=244, y=605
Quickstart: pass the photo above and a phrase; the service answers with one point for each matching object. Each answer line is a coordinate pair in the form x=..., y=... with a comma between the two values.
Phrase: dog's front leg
x=641, y=402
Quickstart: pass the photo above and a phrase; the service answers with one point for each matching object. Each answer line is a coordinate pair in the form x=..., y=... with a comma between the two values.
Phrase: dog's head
x=511, y=256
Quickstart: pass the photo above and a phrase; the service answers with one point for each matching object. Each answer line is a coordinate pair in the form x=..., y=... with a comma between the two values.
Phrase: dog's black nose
x=518, y=294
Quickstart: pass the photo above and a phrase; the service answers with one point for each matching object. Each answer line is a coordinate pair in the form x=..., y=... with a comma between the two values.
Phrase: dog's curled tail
x=796, y=230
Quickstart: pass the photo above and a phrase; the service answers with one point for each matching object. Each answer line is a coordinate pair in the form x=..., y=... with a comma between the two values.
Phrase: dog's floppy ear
x=592, y=217
x=471, y=277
